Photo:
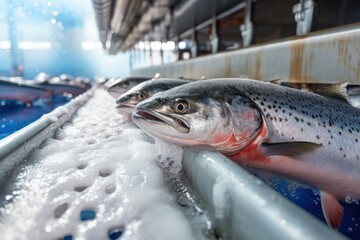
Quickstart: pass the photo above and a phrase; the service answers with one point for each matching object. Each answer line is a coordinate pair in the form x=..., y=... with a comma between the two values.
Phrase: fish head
x=127, y=101
x=121, y=86
x=213, y=118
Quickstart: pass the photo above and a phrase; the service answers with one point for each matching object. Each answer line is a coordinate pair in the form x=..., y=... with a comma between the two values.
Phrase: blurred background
x=54, y=37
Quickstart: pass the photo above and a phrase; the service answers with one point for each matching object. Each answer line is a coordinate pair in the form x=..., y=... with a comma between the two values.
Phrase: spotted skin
x=288, y=115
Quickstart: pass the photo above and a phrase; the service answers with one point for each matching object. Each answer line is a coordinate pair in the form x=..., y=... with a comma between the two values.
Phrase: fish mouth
x=158, y=118
x=125, y=105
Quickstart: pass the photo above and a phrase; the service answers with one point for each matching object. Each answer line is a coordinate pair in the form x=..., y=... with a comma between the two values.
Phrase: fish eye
x=180, y=106
x=141, y=96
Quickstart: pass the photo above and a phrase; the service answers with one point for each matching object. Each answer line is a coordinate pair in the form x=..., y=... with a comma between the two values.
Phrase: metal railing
x=16, y=147
x=243, y=206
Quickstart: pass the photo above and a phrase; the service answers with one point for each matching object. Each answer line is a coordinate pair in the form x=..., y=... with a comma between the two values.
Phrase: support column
x=303, y=12
x=247, y=28
x=16, y=66
x=194, y=43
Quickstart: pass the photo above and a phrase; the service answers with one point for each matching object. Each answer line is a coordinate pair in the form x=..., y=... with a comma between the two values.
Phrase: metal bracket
x=246, y=33
x=214, y=38
x=303, y=12
x=247, y=28
x=194, y=44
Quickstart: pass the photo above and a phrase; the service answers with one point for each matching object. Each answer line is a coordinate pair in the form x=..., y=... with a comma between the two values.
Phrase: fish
x=126, y=102
x=119, y=86
x=311, y=137
x=21, y=91
x=62, y=89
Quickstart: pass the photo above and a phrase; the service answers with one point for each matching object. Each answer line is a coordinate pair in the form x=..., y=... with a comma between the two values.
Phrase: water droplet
x=350, y=229
x=348, y=199
x=8, y=197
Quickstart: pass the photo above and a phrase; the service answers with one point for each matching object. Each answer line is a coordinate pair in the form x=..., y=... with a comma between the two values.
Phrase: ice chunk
x=169, y=155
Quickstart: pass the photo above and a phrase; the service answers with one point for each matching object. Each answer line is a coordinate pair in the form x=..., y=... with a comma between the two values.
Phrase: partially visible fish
x=121, y=85
x=310, y=137
x=21, y=91
x=64, y=89
x=61, y=87
x=127, y=101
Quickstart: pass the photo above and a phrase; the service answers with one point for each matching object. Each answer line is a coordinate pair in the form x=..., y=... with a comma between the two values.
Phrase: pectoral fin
x=332, y=210
x=290, y=149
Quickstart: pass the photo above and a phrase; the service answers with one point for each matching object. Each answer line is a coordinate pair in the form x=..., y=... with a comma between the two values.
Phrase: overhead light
x=26, y=45
x=87, y=45
x=169, y=45
x=5, y=45
x=155, y=45
x=30, y=45
x=182, y=45
x=42, y=45
x=91, y=45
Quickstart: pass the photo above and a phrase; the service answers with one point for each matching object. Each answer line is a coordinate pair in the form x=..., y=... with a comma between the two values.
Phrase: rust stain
x=296, y=65
x=342, y=48
x=306, y=73
x=343, y=57
x=358, y=72
x=258, y=65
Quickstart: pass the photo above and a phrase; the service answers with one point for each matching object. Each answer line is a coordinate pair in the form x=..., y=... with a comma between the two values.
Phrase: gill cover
x=245, y=117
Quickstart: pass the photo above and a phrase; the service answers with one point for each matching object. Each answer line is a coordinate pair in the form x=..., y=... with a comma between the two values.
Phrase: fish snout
x=122, y=99
x=162, y=101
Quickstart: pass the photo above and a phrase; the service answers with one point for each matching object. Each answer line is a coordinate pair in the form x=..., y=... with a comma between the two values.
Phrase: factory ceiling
x=123, y=23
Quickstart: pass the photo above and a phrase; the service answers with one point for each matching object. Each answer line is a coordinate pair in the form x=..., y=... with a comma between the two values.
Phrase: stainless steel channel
x=17, y=146
x=323, y=57
x=243, y=206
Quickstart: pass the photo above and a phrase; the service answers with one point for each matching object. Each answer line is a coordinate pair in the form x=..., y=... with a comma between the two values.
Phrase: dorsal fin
x=276, y=81
x=337, y=91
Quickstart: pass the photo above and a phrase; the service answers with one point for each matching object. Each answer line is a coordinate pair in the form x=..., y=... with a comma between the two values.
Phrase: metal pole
x=17, y=68
x=247, y=28
x=194, y=44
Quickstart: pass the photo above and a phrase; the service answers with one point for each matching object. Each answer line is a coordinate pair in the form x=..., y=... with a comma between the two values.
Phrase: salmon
x=309, y=137
x=119, y=86
x=127, y=101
